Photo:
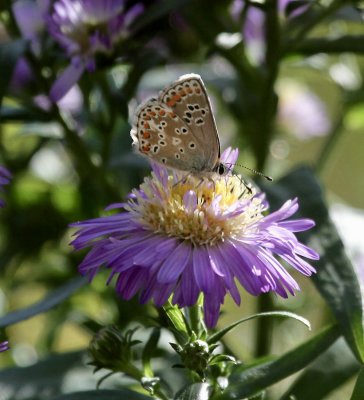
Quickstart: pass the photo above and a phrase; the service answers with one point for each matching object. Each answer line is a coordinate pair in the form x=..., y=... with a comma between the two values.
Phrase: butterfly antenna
x=268, y=178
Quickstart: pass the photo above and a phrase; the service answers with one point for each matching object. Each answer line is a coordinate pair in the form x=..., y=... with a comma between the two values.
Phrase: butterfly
x=178, y=129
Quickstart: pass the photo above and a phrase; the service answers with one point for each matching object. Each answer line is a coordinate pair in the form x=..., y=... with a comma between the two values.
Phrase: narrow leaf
x=348, y=43
x=358, y=393
x=329, y=371
x=247, y=381
x=56, y=297
x=103, y=395
x=283, y=314
x=41, y=380
x=336, y=279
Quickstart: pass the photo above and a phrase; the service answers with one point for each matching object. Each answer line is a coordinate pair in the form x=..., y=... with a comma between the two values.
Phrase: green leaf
x=247, y=381
x=149, y=350
x=358, y=393
x=40, y=380
x=336, y=279
x=197, y=391
x=328, y=371
x=10, y=52
x=103, y=395
x=56, y=297
x=285, y=314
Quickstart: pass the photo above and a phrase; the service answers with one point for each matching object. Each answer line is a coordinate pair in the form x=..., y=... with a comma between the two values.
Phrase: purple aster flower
x=179, y=237
x=4, y=346
x=5, y=177
x=84, y=28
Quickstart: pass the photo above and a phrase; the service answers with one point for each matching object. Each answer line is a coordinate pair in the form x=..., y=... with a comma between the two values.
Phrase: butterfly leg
x=183, y=180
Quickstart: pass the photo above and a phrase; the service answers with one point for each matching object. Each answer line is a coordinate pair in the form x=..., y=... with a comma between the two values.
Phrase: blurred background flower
x=300, y=111
x=4, y=346
x=5, y=177
x=84, y=28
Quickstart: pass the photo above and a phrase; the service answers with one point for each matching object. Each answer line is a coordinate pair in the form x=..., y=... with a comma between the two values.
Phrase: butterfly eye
x=221, y=169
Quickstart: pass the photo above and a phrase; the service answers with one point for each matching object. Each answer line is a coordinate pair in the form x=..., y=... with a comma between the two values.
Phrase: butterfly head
x=221, y=169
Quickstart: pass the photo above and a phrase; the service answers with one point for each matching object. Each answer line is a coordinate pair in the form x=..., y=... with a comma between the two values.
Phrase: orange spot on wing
x=171, y=103
x=146, y=135
x=162, y=113
x=172, y=115
x=146, y=148
x=182, y=93
x=176, y=97
x=146, y=125
x=198, y=91
x=189, y=90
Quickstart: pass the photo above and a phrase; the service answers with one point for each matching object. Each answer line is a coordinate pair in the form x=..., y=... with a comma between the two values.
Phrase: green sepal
x=149, y=350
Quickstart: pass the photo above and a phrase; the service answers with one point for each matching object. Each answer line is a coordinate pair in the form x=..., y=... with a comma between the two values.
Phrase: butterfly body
x=178, y=129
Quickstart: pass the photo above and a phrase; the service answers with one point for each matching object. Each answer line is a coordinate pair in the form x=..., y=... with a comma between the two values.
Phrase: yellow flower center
x=208, y=219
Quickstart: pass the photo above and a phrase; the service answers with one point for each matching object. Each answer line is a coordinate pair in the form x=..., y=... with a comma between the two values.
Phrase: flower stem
x=268, y=97
x=264, y=326
x=314, y=21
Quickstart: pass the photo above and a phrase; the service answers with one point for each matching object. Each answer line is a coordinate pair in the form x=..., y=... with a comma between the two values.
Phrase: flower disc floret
x=197, y=210
x=181, y=235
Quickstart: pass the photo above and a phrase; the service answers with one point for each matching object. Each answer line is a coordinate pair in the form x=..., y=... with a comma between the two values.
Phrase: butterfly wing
x=188, y=98
x=159, y=134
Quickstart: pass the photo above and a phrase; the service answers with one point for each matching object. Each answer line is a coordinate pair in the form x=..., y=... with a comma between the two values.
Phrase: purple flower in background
x=254, y=24
x=5, y=177
x=179, y=237
x=84, y=28
x=4, y=346
x=30, y=17
x=300, y=111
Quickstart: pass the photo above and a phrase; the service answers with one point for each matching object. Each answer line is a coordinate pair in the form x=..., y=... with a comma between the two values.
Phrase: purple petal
x=202, y=269
x=297, y=225
x=65, y=81
x=174, y=264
